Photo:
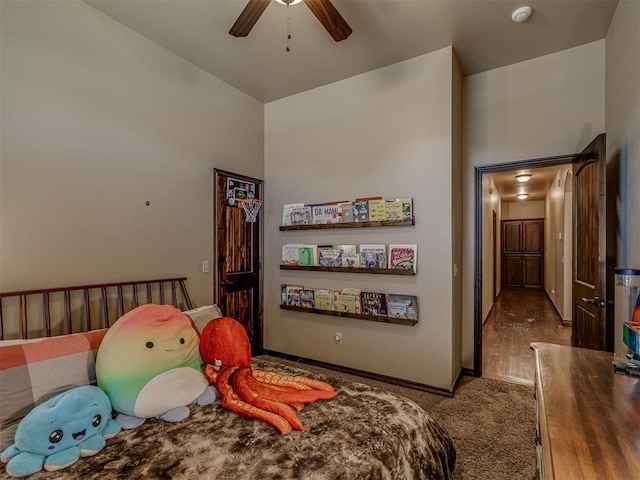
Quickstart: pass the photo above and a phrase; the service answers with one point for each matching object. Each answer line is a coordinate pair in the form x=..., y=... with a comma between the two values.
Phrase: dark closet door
x=523, y=253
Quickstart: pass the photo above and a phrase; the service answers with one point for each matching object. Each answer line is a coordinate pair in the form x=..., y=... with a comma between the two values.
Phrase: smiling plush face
x=64, y=421
x=149, y=361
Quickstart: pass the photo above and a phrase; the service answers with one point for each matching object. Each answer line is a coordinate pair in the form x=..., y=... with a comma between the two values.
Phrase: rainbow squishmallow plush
x=149, y=365
x=56, y=433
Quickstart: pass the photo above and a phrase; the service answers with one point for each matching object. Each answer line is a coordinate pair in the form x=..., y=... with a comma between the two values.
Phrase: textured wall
x=96, y=121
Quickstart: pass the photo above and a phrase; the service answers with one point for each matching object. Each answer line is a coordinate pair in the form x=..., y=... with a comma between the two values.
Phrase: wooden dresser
x=588, y=416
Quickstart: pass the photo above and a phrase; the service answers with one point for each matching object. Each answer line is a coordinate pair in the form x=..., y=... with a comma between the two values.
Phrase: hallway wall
x=522, y=210
x=555, y=242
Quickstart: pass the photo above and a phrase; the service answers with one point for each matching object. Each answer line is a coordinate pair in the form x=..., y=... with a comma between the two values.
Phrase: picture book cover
x=355, y=292
x=393, y=209
x=308, y=255
x=345, y=303
x=301, y=216
x=377, y=210
x=347, y=248
x=373, y=256
x=361, y=211
x=346, y=210
x=323, y=299
x=286, y=212
x=407, y=208
x=283, y=294
x=307, y=298
x=331, y=212
x=402, y=306
x=329, y=257
x=290, y=254
x=293, y=295
x=350, y=260
x=403, y=256
x=374, y=303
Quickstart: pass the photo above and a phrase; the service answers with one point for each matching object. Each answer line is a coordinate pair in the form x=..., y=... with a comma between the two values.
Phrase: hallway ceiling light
x=522, y=196
x=523, y=178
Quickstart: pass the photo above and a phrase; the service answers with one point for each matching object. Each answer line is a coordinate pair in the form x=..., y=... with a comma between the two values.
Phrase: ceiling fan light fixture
x=522, y=196
x=289, y=2
x=520, y=15
x=523, y=178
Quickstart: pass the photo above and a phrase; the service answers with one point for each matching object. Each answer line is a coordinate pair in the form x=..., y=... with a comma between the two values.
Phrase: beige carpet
x=492, y=424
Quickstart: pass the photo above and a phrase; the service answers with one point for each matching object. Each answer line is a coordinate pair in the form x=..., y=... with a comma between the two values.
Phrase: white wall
x=556, y=240
x=547, y=106
x=97, y=120
x=490, y=203
x=387, y=132
x=457, y=215
x=623, y=137
x=623, y=123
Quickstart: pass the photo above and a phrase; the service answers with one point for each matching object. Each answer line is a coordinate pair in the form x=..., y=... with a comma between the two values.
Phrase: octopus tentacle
x=316, y=384
x=304, y=396
x=242, y=387
x=298, y=406
x=278, y=379
x=231, y=401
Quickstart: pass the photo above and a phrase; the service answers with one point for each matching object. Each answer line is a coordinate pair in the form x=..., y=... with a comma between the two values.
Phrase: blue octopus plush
x=58, y=432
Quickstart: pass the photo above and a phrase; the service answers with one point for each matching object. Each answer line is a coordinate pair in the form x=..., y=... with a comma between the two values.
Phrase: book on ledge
x=323, y=299
x=373, y=256
x=286, y=211
x=402, y=306
x=329, y=256
x=290, y=254
x=374, y=303
x=403, y=257
x=308, y=255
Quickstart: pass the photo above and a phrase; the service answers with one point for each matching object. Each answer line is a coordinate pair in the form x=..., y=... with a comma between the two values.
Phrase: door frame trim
x=479, y=171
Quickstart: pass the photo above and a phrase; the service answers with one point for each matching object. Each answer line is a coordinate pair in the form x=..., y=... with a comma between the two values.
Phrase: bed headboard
x=83, y=308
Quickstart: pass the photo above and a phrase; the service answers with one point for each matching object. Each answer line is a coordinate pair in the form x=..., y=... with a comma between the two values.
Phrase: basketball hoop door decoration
x=251, y=208
x=242, y=194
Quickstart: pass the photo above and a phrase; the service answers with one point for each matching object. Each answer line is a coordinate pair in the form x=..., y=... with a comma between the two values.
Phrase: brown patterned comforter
x=363, y=433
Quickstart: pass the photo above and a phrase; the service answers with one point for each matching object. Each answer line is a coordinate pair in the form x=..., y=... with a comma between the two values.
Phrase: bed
x=363, y=433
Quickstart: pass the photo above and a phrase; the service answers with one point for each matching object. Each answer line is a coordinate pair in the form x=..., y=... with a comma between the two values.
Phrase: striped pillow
x=31, y=372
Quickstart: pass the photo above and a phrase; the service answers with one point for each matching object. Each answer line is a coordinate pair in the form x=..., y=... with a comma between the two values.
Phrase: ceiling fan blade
x=248, y=17
x=330, y=18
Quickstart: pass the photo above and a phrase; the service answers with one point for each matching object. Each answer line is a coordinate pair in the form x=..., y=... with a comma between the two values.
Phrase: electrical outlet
x=205, y=266
x=337, y=337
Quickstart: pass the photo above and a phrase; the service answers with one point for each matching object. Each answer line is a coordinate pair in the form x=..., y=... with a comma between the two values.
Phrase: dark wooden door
x=238, y=253
x=523, y=253
x=591, y=327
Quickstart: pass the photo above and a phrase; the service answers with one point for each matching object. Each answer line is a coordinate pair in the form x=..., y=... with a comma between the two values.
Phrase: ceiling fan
x=324, y=10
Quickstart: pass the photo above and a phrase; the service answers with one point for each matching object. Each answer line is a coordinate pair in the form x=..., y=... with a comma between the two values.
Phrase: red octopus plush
x=268, y=396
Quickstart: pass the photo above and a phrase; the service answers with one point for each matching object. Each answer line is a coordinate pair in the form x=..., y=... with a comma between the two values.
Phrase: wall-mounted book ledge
x=327, y=226
x=358, y=316
x=377, y=271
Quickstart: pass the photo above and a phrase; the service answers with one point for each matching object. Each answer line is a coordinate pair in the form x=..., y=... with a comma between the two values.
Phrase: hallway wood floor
x=519, y=317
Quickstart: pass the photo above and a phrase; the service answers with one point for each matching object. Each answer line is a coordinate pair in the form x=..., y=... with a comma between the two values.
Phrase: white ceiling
x=384, y=32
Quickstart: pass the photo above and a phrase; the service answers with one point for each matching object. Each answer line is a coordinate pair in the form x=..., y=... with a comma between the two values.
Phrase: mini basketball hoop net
x=251, y=207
